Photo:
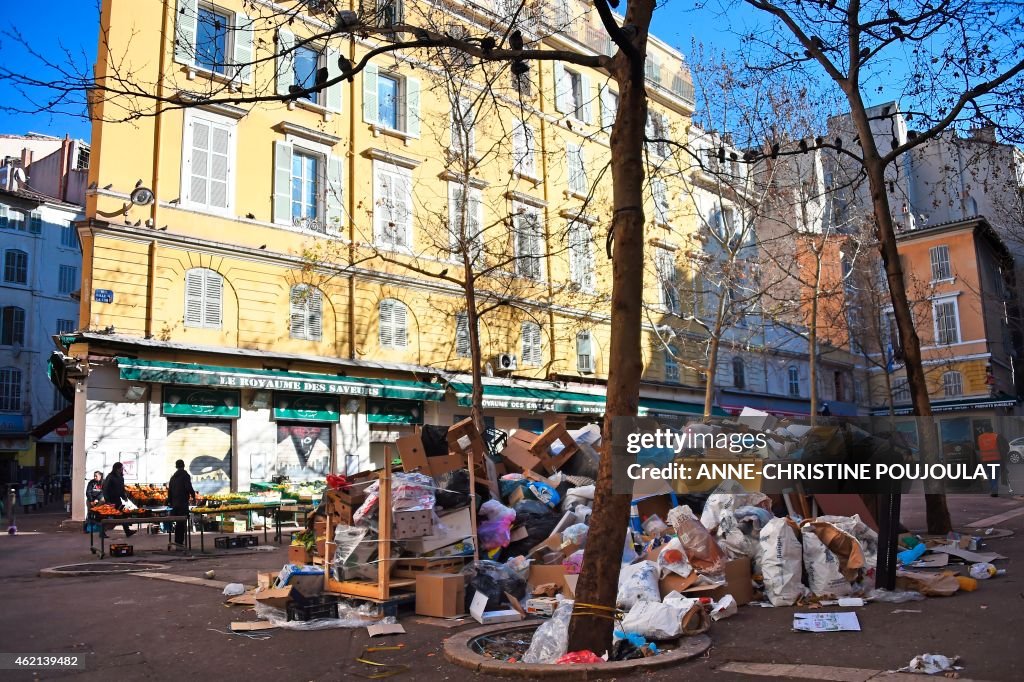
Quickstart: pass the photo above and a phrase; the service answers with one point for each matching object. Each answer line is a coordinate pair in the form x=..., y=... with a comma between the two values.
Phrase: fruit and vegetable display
x=108, y=510
x=147, y=495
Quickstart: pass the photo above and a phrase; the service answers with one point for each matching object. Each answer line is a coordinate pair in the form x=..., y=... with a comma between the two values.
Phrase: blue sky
x=675, y=23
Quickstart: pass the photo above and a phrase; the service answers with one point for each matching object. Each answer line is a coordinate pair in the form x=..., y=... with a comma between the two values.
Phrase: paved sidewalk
x=128, y=627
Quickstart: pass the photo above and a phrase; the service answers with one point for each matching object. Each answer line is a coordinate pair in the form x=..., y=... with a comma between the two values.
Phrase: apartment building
x=41, y=272
x=279, y=287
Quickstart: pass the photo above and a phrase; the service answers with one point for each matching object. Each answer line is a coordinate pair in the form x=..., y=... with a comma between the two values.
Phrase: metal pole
x=888, y=541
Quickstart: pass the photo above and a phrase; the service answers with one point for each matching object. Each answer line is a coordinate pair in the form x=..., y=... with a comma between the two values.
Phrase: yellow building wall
x=260, y=261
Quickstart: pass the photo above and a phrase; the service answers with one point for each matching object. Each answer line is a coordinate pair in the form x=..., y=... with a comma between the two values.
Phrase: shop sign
x=306, y=408
x=180, y=401
x=394, y=411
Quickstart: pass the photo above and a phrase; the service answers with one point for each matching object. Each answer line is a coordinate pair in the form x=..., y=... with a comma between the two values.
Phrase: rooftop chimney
x=984, y=134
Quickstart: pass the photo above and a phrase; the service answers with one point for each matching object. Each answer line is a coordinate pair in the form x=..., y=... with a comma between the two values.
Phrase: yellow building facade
x=325, y=235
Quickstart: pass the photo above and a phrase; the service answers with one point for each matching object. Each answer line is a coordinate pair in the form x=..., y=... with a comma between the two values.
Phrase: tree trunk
x=714, y=343
x=591, y=629
x=812, y=348
x=935, y=503
x=476, y=409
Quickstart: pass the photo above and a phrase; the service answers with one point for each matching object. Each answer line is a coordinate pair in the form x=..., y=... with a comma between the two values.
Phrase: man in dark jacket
x=114, y=493
x=179, y=493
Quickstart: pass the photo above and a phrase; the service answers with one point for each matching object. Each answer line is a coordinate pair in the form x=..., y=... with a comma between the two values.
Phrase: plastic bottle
x=983, y=571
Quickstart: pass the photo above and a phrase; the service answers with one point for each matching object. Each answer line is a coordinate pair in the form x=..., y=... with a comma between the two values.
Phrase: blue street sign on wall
x=104, y=296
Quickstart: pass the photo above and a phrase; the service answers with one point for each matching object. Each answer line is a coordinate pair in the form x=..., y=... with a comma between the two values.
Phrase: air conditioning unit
x=505, y=362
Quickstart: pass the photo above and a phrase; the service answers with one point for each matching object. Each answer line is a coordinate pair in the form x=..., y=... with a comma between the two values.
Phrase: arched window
x=739, y=379
x=531, y=343
x=306, y=313
x=10, y=389
x=585, y=353
x=952, y=384
x=204, y=298
x=393, y=319
x=12, y=326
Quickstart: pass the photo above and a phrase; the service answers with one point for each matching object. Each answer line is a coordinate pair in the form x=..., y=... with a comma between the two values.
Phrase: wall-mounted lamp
x=134, y=392
x=260, y=400
x=352, y=406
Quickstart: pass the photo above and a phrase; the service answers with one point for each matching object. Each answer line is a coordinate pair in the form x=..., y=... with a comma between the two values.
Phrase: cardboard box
x=412, y=524
x=442, y=595
x=737, y=583
x=541, y=606
x=297, y=554
x=541, y=574
x=458, y=525
x=476, y=609
x=414, y=457
x=656, y=504
x=238, y=525
x=264, y=579
x=277, y=597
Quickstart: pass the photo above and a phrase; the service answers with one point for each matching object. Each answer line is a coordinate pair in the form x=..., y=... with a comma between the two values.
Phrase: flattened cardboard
x=247, y=626
x=737, y=583
x=385, y=629
x=410, y=450
x=967, y=555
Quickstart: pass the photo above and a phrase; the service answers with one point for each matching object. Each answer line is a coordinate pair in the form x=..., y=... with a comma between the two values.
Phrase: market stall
x=106, y=516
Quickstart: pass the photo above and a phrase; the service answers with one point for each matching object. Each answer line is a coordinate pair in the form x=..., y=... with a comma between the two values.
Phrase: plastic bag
x=349, y=617
x=409, y=492
x=739, y=532
x=494, y=580
x=703, y=552
x=672, y=559
x=894, y=597
x=538, y=520
x=867, y=537
x=586, y=656
x=544, y=493
x=638, y=582
x=781, y=563
x=824, y=576
x=574, y=563
x=233, y=589
x=576, y=534
x=354, y=553
x=728, y=496
x=655, y=620
x=724, y=608
x=519, y=565
x=494, y=531
x=551, y=639
x=574, y=496
x=653, y=525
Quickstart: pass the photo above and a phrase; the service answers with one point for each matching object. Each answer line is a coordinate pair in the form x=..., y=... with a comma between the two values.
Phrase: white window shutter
x=588, y=97
x=370, y=93
x=412, y=107
x=214, y=298
x=35, y=222
x=607, y=108
x=298, y=312
x=186, y=22
x=282, y=182
x=403, y=203
x=285, y=61
x=333, y=92
x=243, y=56
x=220, y=166
x=386, y=324
x=335, y=205
x=194, y=298
x=561, y=92
x=462, y=345
x=399, y=324
x=315, y=305
x=4, y=217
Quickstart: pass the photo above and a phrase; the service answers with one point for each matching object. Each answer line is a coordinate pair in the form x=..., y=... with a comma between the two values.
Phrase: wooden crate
x=410, y=568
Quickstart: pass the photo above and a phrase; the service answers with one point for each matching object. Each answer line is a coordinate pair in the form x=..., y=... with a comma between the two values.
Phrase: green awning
x=274, y=380
x=532, y=399
x=406, y=412
x=308, y=408
x=551, y=400
x=649, y=406
x=201, y=402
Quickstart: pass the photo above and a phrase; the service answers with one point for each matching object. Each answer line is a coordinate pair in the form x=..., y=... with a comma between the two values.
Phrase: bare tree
x=514, y=35
x=962, y=67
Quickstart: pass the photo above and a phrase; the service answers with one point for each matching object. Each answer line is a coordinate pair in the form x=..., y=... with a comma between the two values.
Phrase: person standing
x=994, y=449
x=114, y=493
x=179, y=493
x=94, y=489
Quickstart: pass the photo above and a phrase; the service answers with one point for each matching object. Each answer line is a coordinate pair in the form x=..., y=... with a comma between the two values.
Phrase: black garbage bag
x=538, y=519
x=452, y=489
x=435, y=440
x=494, y=580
